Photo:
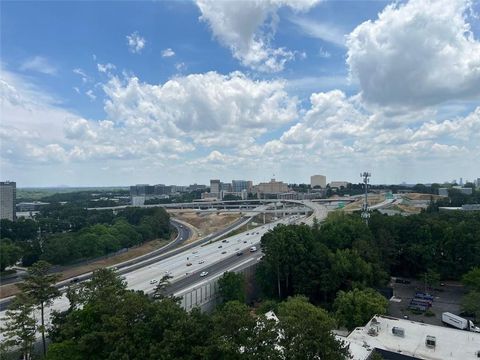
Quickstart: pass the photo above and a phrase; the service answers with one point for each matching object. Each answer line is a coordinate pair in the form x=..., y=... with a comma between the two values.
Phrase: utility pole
x=365, y=210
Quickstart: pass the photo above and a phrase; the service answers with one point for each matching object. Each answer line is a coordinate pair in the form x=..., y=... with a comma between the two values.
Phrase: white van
x=253, y=249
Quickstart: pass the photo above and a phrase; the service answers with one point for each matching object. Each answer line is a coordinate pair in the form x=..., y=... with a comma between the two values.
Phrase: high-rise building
x=339, y=184
x=215, y=186
x=8, y=197
x=271, y=188
x=318, y=180
x=239, y=185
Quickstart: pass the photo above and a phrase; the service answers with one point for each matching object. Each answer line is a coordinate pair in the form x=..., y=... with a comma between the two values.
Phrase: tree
x=471, y=303
x=306, y=332
x=431, y=279
x=9, y=253
x=39, y=286
x=20, y=325
x=472, y=279
x=161, y=288
x=354, y=308
x=232, y=287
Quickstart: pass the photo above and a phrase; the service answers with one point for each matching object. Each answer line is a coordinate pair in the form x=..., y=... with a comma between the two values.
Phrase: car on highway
x=75, y=280
x=189, y=264
x=194, y=252
x=204, y=273
x=201, y=261
x=253, y=249
x=224, y=252
x=153, y=281
x=239, y=253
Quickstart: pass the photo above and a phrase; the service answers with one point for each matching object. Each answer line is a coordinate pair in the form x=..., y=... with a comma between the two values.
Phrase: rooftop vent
x=398, y=331
x=430, y=341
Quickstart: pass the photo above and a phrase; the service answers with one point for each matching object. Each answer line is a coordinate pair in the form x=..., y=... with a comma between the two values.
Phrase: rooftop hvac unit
x=430, y=341
x=398, y=331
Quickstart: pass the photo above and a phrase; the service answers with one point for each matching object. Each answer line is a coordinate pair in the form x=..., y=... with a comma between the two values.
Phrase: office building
x=215, y=186
x=8, y=197
x=266, y=190
x=239, y=185
x=318, y=180
x=339, y=184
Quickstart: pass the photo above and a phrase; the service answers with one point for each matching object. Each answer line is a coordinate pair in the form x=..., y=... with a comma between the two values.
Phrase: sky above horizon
x=179, y=92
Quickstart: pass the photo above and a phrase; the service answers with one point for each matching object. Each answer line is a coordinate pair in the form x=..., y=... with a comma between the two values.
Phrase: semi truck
x=459, y=322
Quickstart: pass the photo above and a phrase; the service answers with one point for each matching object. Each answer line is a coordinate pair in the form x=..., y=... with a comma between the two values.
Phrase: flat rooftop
x=450, y=343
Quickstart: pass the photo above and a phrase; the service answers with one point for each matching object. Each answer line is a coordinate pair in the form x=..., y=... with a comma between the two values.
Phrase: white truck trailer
x=458, y=322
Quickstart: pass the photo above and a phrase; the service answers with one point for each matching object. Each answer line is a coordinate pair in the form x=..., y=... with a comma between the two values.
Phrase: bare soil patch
x=208, y=223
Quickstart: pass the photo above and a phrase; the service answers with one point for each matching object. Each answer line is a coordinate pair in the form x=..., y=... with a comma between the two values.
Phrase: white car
x=201, y=261
x=153, y=281
x=204, y=273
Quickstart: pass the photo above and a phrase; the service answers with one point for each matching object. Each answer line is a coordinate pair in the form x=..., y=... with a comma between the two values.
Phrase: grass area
x=68, y=272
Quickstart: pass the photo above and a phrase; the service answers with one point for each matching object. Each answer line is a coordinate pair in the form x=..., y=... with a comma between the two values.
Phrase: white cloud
x=90, y=94
x=247, y=28
x=416, y=54
x=210, y=108
x=180, y=67
x=82, y=74
x=326, y=32
x=106, y=68
x=39, y=64
x=135, y=42
x=168, y=52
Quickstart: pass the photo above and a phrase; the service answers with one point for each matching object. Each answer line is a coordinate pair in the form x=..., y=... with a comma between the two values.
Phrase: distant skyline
x=181, y=92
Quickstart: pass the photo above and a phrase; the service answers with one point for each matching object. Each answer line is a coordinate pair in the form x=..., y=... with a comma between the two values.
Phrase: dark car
x=75, y=280
x=239, y=253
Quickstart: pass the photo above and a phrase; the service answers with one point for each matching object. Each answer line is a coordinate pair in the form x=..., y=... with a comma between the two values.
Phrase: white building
x=412, y=339
x=318, y=180
x=338, y=184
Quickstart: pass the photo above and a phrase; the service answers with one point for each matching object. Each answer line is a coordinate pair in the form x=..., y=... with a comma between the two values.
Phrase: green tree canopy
x=355, y=308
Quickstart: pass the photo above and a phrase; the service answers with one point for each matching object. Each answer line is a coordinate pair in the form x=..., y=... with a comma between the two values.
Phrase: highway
x=203, y=257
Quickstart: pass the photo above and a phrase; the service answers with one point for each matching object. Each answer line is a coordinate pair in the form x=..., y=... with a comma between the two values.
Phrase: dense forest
x=344, y=253
x=62, y=234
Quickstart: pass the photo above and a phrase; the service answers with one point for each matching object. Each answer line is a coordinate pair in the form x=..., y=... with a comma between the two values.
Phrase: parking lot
x=447, y=298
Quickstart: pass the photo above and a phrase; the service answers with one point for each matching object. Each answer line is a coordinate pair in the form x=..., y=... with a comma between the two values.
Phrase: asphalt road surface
x=202, y=257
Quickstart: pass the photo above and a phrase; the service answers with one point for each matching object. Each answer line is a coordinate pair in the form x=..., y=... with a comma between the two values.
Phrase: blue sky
x=115, y=93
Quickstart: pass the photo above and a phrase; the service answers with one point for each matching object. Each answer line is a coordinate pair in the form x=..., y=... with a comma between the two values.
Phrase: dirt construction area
x=205, y=223
x=446, y=298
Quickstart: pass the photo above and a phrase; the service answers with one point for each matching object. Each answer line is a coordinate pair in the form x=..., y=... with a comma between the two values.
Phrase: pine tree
x=20, y=326
x=39, y=286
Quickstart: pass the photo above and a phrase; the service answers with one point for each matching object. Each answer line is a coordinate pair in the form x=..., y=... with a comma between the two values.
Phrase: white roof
x=450, y=343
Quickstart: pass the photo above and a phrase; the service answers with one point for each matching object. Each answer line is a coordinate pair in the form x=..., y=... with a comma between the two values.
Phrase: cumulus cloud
x=135, y=42
x=247, y=28
x=211, y=108
x=340, y=129
x=168, y=53
x=416, y=54
x=39, y=64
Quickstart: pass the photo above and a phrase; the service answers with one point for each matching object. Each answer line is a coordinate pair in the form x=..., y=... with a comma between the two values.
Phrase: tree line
x=344, y=254
x=63, y=235
x=104, y=320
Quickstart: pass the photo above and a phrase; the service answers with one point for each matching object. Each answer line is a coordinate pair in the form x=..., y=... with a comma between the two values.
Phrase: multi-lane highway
x=208, y=257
